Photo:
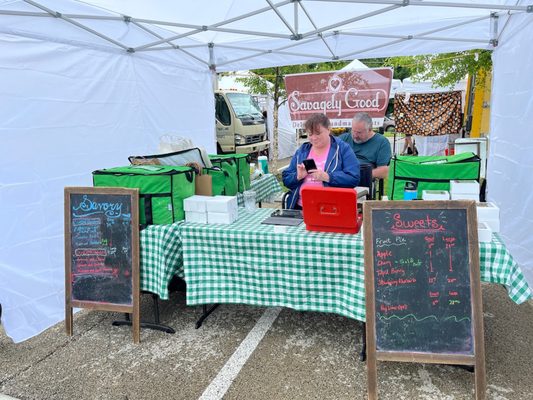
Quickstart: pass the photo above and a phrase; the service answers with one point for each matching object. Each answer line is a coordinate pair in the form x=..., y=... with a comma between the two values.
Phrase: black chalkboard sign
x=422, y=284
x=102, y=251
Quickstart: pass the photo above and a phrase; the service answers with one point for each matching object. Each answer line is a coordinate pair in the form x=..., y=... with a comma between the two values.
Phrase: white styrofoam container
x=487, y=211
x=435, y=195
x=494, y=224
x=196, y=216
x=221, y=217
x=465, y=196
x=222, y=204
x=484, y=233
x=464, y=187
x=195, y=203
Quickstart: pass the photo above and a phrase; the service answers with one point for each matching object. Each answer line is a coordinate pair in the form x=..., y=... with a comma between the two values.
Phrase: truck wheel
x=219, y=149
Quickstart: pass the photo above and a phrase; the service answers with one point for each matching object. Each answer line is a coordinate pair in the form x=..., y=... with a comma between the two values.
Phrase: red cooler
x=329, y=209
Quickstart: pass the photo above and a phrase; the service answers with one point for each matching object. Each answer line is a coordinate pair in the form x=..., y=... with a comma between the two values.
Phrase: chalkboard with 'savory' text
x=101, y=248
x=422, y=281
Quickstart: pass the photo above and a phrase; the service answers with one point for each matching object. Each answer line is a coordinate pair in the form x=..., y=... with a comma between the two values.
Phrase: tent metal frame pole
x=372, y=48
x=26, y=13
x=426, y=3
x=275, y=9
x=315, y=26
x=213, y=27
x=295, y=12
x=208, y=28
x=212, y=65
x=349, y=21
x=279, y=51
x=172, y=45
x=419, y=36
x=165, y=40
x=79, y=25
x=494, y=29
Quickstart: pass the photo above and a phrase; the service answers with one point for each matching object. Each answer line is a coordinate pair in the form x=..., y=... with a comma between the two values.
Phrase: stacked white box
x=487, y=211
x=194, y=216
x=490, y=214
x=464, y=190
x=196, y=203
x=222, y=210
x=435, y=195
x=196, y=208
x=484, y=233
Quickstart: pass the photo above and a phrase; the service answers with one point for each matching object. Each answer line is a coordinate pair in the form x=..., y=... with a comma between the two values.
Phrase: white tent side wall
x=510, y=162
x=65, y=112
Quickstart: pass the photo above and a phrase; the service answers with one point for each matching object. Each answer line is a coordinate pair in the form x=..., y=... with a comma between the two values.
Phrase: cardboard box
x=464, y=187
x=484, y=233
x=196, y=203
x=220, y=217
x=195, y=216
x=222, y=204
x=487, y=211
x=435, y=195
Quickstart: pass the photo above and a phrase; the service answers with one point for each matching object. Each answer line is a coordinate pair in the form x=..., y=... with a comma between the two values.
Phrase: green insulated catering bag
x=430, y=172
x=162, y=189
x=241, y=164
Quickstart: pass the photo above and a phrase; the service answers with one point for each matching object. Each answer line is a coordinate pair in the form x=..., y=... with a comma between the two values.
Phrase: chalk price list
x=421, y=276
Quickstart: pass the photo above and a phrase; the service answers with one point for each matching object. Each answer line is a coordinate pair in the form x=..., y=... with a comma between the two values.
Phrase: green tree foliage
x=444, y=69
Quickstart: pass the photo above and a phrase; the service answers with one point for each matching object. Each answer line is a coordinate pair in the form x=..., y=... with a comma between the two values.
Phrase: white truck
x=240, y=124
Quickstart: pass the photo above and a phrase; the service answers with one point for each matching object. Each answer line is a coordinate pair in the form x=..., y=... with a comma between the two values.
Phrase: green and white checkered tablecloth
x=246, y=262
x=161, y=257
x=498, y=266
x=264, y=187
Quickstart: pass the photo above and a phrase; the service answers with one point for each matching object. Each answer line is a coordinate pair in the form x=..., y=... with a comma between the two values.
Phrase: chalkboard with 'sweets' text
x=102, y=251
x=422, y=281
x=422, y=286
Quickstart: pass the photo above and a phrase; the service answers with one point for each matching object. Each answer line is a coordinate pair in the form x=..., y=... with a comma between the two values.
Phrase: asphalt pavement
x=247, y=352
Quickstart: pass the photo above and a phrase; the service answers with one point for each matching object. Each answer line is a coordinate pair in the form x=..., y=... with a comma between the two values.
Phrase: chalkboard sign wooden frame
x=376, y=212
x=104, y=216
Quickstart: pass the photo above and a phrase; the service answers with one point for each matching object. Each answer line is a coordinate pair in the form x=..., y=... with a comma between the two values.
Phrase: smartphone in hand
x=309, y=164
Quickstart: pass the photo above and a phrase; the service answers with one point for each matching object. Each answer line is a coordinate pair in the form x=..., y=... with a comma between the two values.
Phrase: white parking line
x=220, y=385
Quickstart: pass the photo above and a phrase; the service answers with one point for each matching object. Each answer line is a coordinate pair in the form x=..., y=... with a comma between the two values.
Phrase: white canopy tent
x=83, y=87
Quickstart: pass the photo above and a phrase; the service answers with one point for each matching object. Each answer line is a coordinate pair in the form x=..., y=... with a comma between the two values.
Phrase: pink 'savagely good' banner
x=339, y=95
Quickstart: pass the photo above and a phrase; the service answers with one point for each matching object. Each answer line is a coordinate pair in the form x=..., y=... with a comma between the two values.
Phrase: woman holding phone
x=329, y=162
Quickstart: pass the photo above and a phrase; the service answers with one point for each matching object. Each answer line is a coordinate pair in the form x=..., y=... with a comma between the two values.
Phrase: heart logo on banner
x=335, y=83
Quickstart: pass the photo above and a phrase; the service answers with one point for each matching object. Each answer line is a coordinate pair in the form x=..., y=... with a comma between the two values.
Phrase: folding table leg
x=205, y=314
x=156, y=325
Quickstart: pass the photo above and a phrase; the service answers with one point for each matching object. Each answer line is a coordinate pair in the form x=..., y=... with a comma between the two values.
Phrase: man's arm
x=380, y=172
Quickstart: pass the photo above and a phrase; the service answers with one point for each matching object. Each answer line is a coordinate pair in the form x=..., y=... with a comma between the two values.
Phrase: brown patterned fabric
x=428, y=114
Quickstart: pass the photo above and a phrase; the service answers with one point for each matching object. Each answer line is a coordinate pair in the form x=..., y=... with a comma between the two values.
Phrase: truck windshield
x=244, y=105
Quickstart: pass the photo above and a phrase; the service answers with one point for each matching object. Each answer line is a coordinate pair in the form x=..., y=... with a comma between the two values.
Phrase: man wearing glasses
x=368, y=146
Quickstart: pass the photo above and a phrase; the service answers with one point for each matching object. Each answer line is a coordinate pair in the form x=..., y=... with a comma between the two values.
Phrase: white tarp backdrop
x=82, y=88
